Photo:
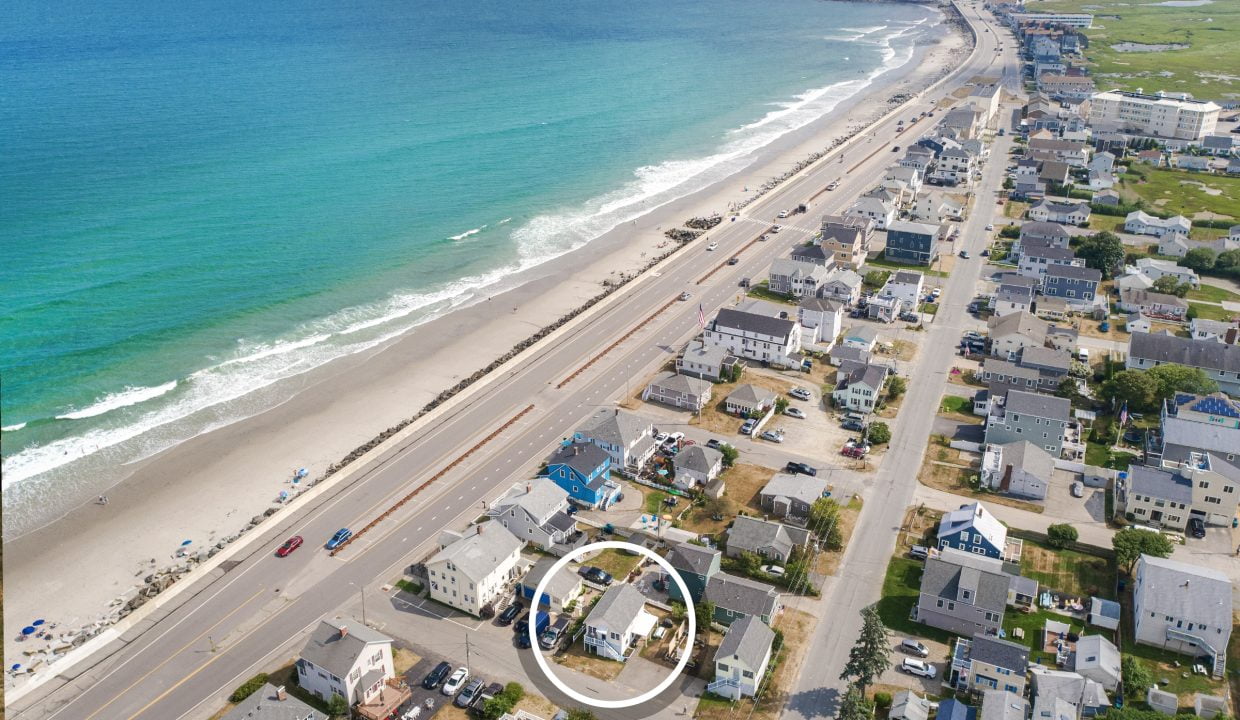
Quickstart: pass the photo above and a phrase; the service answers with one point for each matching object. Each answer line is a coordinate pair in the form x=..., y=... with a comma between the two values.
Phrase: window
x=747, y=673
x=723, y=667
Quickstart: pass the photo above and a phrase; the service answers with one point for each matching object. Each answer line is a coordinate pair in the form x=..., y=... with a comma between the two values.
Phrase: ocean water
x=201, y=199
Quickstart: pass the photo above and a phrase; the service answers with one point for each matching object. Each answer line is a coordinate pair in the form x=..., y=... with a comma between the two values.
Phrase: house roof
x=1000, y=653
x=1044, y=357
x=1163, y=589
x=692, y=558
x=1038, y=405
x=1043, y=229
x=805, y=488
x=1003, y=705
x=265, y=705
x=1020, y=323
x=539, y=497
x=615, y=427
x=975, y=518
x=336, y=647
x=1050, y=252
x=792, y=267
x=751, y=395
x=1146, y=480
x=845, y=353
x=1095, y=651
x=748, y=640
x=953, y=709
x=561, y=585
x=698, y=458
x=844, y=276
x=1143, y=298
x=750, y=533
x=684, y=384
x=1074, y=272
x=908, y=705
x=477, y=554
x=914, y=228
x=583, y=457
x=618, y=607
x=754, y=323
x=1060, y=207
x=815, y=304
x=815, y=254
x=1185, y=351
x=943, y=575
x=869, y=375
x=1028, y=457
x=864, y=333
x=1015, y=294
x=906, y=277
x=741, y=595
x=1062, y=685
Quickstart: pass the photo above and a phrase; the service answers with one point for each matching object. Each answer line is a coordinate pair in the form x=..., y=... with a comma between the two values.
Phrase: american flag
x=701, y=317
x=1123, y=414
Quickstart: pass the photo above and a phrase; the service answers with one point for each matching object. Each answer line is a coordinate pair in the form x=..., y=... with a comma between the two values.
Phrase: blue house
x=583, y=470
x=973, y=529
x=953, y=709
x=912, y=242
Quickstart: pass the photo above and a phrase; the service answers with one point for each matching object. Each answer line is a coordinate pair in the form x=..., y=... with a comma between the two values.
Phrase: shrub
x=878, y=433
x=882, y=699
x=1061, y=535
x=338, y=705
x=248, y=688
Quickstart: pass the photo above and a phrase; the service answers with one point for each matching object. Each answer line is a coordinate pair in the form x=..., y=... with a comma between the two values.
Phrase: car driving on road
x=339, y=538
x=289, y=546
x=712, y=246
x=800, y=467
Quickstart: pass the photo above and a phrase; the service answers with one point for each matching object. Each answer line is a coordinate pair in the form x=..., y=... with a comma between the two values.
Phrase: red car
x=289, y=546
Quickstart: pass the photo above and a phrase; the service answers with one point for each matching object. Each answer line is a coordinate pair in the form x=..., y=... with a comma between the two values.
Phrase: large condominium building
x=1158, y=115
x=1075, y=20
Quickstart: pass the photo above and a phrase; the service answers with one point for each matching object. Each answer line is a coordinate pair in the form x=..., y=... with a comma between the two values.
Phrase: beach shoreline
x=208, y=487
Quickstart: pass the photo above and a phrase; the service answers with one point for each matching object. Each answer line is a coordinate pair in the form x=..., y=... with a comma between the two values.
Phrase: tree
x=730, y=454
x=1170, y=286
x=749, y=563
x=1137, y=677
x=824, y=517
x=337, y=705
x=853, y=705
x=878, y=433
x=1103, y=251
x=870, y=656
x=781, y=404
x=1171, y=378
x=875, y=278
x=737, y=369
x=1227, y=260
x=704, y=613
x=1133, y=387
x=896, y=386
x=1131, y=543
x=1199, y=259
x=1011, y=232
x=1061, y=535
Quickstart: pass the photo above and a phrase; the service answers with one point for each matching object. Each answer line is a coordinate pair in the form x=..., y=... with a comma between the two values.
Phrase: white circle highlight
x=650, y=694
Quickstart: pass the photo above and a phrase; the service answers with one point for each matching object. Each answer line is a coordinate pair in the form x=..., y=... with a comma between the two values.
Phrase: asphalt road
x=183, y=664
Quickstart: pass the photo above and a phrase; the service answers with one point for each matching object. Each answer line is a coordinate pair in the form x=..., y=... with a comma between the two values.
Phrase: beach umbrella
x=16, y=667
x=186, y=542
x=38, y=622
x=28, y=630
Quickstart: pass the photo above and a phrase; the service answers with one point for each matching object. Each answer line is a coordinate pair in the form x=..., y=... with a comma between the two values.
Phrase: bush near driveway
x=248, y=688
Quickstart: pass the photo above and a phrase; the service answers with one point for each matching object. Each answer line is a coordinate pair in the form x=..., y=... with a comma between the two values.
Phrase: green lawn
x=1206, y=68
x=930, y=308
x=618, y=563
x=1182, y=192
x=1213, y=294
x=1102, y=455
x=1068, y=571
x=901, y=587
x=883, y=263
x=763, y=291
x=654, y=500
x=1032, y=623
x=956, y=404
x=1212, y=312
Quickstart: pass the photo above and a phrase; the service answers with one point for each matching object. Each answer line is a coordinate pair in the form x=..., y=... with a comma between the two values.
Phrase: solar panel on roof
x=1216, y=406
x=1181, y=398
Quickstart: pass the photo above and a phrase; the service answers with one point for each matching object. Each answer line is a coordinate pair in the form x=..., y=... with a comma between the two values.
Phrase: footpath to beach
x=209, y=487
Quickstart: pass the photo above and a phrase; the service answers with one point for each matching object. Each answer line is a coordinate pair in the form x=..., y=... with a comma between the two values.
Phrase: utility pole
x=467, y=647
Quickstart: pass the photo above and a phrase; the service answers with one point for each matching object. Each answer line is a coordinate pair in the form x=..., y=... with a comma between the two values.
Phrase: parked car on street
x=554, y=634
x=339, y=538
x=455, y=682
x=716, y=444
x=800, y=393
x=289, y=546
x=748, y=426
x=800, y=467
x=437, y=676
x=852, y=424
x=918, y=668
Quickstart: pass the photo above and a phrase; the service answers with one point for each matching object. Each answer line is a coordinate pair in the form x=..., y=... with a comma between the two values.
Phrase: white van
x=1083, y=355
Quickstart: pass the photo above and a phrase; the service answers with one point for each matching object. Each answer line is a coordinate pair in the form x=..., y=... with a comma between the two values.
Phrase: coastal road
x=184, y=663
x=818, y=688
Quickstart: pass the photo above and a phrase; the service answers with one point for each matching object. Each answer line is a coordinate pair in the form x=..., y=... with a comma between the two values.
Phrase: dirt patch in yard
x=403, y=659
x=828, y=562
x=537, y=705
x=576, y=658
x=951, y=470
x=713, y=417
x=448, y=711
x=742, y=483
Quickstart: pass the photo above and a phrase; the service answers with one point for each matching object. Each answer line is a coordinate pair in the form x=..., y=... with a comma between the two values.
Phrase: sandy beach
x=209, y=487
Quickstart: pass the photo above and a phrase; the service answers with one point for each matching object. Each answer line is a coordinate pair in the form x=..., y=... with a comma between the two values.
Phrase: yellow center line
x=173, y=655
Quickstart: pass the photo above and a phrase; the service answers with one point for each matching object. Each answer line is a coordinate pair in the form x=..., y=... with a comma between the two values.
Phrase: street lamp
x=361, y=591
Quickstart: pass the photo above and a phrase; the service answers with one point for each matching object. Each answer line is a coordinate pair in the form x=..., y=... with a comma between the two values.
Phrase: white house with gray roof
x=1156, y=268
x=617, y=623
x=1017, y=468
x=349, y=660
x=859, y=387
x=908, y=705
x=796, y=278
x=742, y=659
x=626, y=437
x=737, y=597
x=749, y=400
x=1183, y=608
x=755, y=336
x=1097, y=659
x=696, y=466
x=536, y=512
x=771, y=540
x=705, y=361
x=1142, y=223
x=472, y=569
x=790, y=496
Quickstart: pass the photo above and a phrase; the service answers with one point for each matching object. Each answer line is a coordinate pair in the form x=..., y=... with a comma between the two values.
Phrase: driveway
x=1217, y=550
x=956, y=430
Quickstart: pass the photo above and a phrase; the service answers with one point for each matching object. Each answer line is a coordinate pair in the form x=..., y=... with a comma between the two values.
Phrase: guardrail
x=461, y=458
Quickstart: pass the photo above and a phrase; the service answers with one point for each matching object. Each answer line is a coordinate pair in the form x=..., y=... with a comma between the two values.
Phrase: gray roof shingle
x=692, y=558
x=742, y=595
x=1038, y=405
x=618, y=608
x=335, y=651
x=480, y=551
x=1000, y=653
x=1205, y=354
x=754, y=323
x=749, y=640
x=943, y=575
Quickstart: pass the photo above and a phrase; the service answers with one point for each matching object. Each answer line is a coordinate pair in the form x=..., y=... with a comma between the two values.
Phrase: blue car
x=339, y=538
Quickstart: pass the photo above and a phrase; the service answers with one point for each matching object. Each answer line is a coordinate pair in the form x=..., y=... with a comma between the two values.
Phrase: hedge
x=248, y=688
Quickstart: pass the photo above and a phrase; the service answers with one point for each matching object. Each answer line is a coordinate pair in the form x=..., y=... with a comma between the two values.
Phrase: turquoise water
x=201, y=199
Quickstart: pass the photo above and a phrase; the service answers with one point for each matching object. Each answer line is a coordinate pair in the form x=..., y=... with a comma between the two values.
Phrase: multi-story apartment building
x=1159, y=115
x=755, y=336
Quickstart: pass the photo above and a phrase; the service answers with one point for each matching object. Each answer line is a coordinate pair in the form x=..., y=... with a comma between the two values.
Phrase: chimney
x=280, y=694
x=344, y=631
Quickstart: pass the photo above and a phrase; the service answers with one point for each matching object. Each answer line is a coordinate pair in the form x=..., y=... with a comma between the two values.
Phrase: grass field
x=1211, y=293
x=1208, y=68
x=1182, y=192
x=1068, y=571
x=883, y=263
x=1212, y=312
x=956, y=404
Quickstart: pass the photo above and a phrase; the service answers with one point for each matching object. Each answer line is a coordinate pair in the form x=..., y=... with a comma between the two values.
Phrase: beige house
x=742, y=658
x=473, y=569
